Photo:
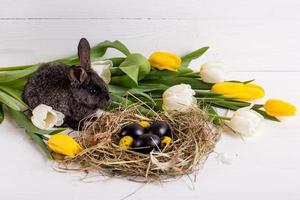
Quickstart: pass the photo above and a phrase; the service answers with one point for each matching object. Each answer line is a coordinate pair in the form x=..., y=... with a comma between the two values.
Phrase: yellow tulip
x=165, y=61
x=278, y=108
x=64, y=144
x=244, y=92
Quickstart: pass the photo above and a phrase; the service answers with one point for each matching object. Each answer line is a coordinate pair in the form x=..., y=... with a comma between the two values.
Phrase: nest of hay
x=194, y=138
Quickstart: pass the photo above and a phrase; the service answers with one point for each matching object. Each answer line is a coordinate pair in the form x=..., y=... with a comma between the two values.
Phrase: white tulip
x=101, y=67
x=179, y=97
x=213, y=72
x=246, y=122
x=44, y=117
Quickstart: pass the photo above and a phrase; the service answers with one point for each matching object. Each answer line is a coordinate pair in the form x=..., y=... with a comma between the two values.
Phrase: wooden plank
x=174, y=9
x=244, y=45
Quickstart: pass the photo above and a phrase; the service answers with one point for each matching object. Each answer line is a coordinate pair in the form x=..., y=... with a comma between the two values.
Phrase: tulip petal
x=245, y=92
x=179, y=97
x=165, y=61
x=275, y=107
x=213, y=72
x=101, y=67
x=246, y=122
x=64, y=144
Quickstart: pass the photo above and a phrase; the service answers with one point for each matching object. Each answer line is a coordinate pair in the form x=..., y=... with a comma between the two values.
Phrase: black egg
x=146, y=143
x=134, y=130
x=160, y=129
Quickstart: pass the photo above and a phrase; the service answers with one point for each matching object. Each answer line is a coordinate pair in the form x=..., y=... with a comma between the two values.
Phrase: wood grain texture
x=256, y=39
x=155, y=9
x=244, y=45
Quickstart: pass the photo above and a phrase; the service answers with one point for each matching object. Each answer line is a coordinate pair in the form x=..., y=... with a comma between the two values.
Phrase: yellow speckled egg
x=144, y=124
x=125, y=142
x=166, y=140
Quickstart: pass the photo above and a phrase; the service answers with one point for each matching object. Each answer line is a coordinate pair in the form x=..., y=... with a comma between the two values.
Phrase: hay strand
x=194, y=138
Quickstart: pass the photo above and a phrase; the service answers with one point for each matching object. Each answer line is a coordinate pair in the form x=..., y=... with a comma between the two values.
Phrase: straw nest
x=194, y=138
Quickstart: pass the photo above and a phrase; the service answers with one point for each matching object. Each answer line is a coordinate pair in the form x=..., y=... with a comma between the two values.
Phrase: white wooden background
x=256, y=39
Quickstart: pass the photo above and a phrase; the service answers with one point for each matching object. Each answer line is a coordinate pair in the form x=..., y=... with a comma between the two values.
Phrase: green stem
x=220, y=117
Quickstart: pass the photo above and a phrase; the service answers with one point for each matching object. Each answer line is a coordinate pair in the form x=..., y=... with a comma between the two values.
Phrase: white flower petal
x=37, y=122
x=44, y=117
x=101, y=67
x=60, y=118
x=247, y=122
x=213, y=72
x=50, y=120
x=179, y=97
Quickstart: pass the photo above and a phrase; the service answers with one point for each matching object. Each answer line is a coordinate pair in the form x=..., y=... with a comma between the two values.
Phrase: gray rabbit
x=76, y=91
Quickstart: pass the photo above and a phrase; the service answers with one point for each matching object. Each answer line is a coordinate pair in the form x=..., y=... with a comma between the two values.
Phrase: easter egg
x=166, y=140
x=125, y=142
x=133, y=129
x=144, y=124
x=146, y=143
x=160, y=129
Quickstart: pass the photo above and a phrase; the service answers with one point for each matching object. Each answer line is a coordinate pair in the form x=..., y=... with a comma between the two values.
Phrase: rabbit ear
x=84, y=53
x=77, y=76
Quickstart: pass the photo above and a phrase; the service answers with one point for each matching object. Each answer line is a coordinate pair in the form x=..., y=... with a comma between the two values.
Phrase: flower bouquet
x=162, y=118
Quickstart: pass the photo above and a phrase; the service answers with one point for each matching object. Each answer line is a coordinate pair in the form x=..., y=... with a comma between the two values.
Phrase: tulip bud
x=165, y=61
x=246, y=122
x=278, y=108
x=213, y=72
x=44, y=117
x=179, y=97
x=101, y=67
x=242, y=91
x=64, y=144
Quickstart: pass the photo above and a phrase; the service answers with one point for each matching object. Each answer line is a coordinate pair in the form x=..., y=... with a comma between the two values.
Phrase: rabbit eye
x=92, y=90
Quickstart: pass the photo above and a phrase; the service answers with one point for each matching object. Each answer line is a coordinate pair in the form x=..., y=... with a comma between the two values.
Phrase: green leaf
x=17, y=84
x=148, y=87
x=40, y=142
x=8, y=76
x=117, y=90
x=15, y=67
x=123, y=81
x=100, y=49
x=116, y=71
x=245, y=82
x=140, y=62
x=140, y=92
x=132, y=72
x=196, y=84
x=249, y=81
x=191, y=56
x=224, y=105
x=158, y=74
x=134, y=68
x=17, y=94
x=266, y=115
x=97, y=51
x=117, y=61
x=9, y=101
x=200, y=93
x=1, y=114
